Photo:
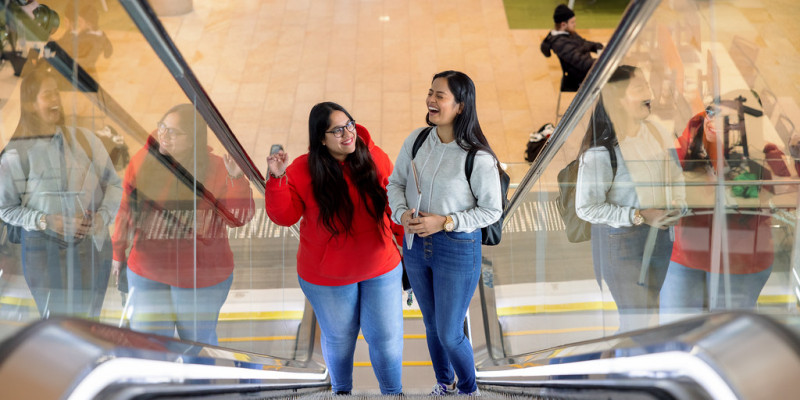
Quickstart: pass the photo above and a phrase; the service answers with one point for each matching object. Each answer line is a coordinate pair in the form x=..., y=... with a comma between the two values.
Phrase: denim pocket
x=460, y=237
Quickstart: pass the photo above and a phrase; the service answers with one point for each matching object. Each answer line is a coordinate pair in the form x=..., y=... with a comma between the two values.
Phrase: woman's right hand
x=660, y=218
x=116, y=266
x=276, y=163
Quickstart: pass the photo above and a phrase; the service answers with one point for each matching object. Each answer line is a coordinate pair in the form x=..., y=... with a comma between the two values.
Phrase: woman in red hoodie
x=178, y=199
x=347, y=264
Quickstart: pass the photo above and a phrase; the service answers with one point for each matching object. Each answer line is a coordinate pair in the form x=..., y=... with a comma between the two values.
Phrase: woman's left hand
x=426, y=224
x=230, y=164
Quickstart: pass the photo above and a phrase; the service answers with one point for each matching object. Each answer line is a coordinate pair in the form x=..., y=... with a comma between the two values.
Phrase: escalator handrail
x=717, y=351
x=633, y=20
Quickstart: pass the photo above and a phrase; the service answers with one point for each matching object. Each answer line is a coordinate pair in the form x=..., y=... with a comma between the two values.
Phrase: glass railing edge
x=149, y=25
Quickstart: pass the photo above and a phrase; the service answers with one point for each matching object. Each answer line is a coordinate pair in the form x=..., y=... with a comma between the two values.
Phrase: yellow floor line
x=563, y=330
x=557, y=308
x=405, y=364
x=776, y=299
x=407, y=314
x=256, y=339
x=276, y=338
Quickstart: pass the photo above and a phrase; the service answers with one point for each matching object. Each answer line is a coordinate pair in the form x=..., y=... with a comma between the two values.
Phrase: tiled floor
x=267, y=63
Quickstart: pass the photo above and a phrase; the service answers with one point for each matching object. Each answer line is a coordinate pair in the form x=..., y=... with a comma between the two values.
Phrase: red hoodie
x=327, y=260
x=163, y=235
x=750, y=248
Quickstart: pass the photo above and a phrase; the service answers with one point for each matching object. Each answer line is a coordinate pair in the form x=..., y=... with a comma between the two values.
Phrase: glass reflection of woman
x=347, y=264
x=626, y=207
x=60, y=188
x=178, y=200
x=694, y=282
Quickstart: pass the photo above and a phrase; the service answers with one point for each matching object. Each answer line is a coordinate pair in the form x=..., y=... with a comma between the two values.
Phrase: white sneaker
x=440, y=389
x=476, y=393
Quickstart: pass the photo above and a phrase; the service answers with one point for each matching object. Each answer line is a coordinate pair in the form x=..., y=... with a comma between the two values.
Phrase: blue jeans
x=617, y=254
x=686, y=290
x=444, y=269
x=376, y=307
x=65, y=278
x=160, y=308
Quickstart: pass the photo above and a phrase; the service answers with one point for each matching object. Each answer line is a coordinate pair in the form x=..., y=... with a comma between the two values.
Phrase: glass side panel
x=703, y=133
x=104, y=166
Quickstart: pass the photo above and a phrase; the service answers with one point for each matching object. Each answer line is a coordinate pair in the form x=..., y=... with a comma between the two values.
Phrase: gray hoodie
x=443, y=183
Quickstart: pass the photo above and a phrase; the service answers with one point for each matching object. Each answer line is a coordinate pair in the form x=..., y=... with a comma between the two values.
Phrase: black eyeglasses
x=711, y=111
x=171, y=132
x=339, y=130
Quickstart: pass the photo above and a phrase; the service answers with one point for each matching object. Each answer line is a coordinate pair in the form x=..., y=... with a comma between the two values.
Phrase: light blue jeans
x=376, y=307
x=444, y=269
x=617, y=254
x=65, y=278
x=686, y=290
x=160, y=308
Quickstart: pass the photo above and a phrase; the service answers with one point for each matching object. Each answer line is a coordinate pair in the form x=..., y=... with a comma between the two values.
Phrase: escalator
x=540, y=329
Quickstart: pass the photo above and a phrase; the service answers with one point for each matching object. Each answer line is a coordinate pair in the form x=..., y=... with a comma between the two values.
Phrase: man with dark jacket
x=573, y=51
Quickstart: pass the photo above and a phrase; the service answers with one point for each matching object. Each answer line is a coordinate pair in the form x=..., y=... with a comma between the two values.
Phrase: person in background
x=179, y=199
x=59, y=192
x=630, y=209
x=444, y=259
x=348, y=264
x=574, y=52
x=84, y=39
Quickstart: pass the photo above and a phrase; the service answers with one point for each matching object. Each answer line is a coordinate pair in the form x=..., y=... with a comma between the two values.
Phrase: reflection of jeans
x=686, y=289
x=376, y=306
x=65, y=278
x=444, y=269
x=617, y=254
x=160, y=308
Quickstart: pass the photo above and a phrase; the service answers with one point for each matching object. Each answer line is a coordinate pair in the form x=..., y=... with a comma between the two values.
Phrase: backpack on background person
x=537, y=140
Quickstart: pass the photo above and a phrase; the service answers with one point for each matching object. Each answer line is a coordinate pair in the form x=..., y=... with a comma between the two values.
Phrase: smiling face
x=636, y=99
x=442, y=105
x=172, y=139
x=342, y=146
x=47, y=105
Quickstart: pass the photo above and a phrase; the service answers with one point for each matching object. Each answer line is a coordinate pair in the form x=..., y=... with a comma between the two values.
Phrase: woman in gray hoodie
x=442, y=213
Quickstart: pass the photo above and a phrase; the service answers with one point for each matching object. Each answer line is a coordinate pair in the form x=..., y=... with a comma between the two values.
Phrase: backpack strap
x=420, y=140
x=613, y=155
x=469, y=164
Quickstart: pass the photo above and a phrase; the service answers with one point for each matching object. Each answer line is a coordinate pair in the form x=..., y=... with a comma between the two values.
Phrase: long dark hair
x=327, y=177
x=601, y=130
x=466, y=128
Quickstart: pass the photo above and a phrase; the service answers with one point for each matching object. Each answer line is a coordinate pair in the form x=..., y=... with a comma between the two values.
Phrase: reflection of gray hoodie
x=443, y=183
x=57, y=180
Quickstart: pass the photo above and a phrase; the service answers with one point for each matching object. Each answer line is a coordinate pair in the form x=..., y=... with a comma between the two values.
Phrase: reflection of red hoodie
x=163, y=235
x=749, y=236
x=368, y=251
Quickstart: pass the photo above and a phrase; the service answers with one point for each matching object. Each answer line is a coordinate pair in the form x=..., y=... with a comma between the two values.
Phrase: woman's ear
x=460, y=108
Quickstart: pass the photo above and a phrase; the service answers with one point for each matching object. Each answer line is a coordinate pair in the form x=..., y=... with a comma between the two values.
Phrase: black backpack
x=490, y=235
x=578, y=230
